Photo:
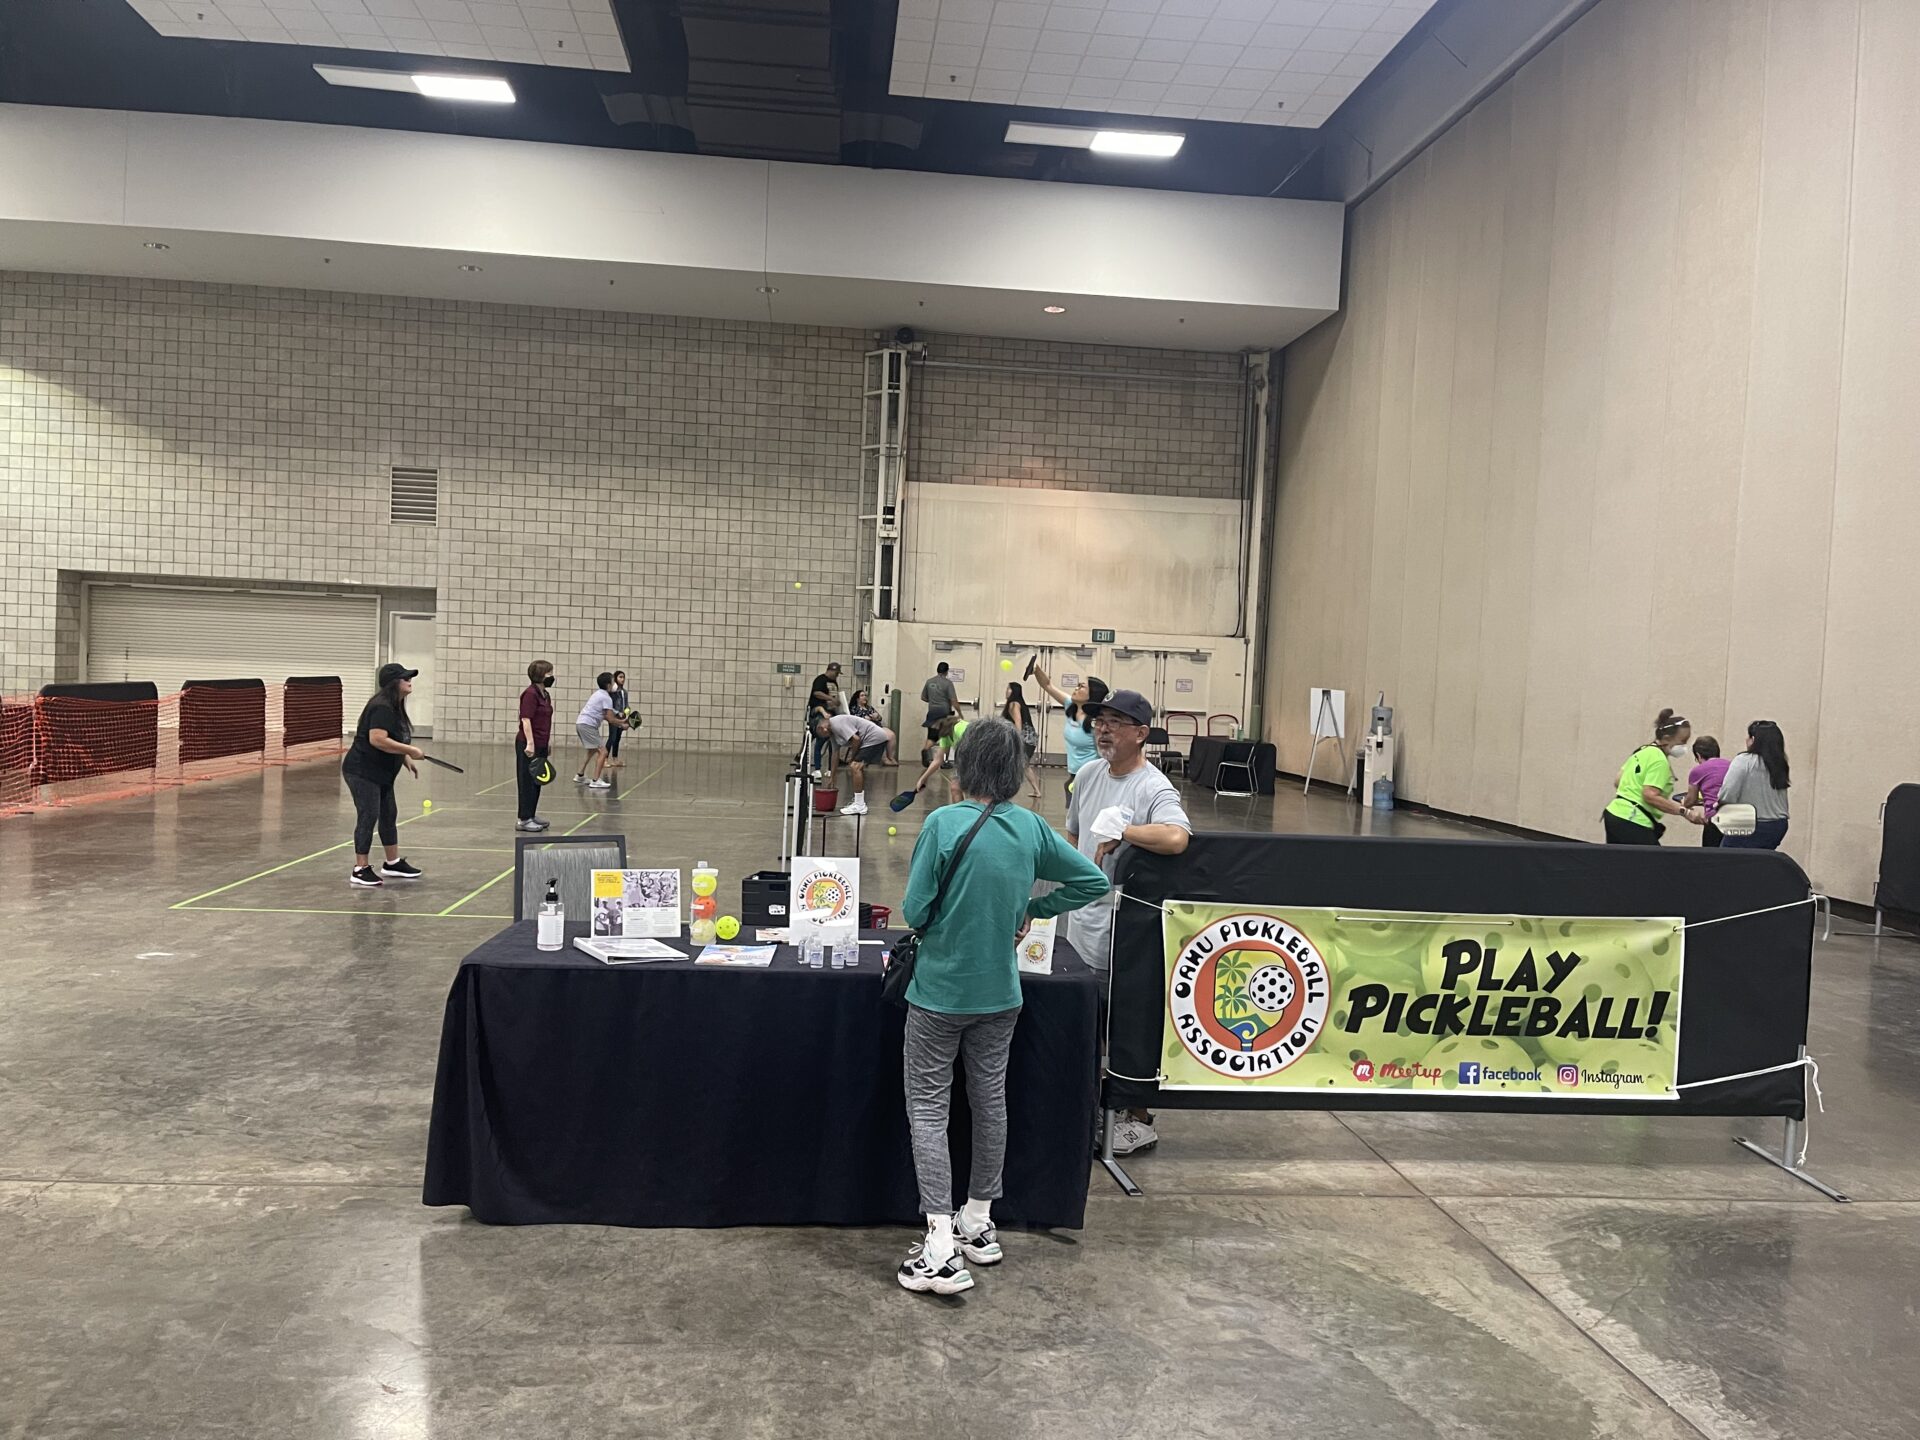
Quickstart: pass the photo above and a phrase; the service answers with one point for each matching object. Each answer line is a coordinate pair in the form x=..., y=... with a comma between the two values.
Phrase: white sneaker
x=1132, y=1135
x=581, y=778
x=917, y=1273
x=599, y=784
x=858, y=807
x=982, y=1248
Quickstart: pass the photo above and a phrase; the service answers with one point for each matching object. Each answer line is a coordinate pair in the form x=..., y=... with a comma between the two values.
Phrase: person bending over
x=1632, y=816
x=1703, y=786
x=945, y=734
x=864, y=744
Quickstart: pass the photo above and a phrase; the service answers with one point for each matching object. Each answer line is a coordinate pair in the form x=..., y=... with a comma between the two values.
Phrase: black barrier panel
x=1744, y=994
x=311, y=709
x=113, y=690
x=222, y=717
x=75, y=741
x=1899, y=887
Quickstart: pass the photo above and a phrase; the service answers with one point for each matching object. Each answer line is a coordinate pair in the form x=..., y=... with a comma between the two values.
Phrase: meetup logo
x=1472, y=1072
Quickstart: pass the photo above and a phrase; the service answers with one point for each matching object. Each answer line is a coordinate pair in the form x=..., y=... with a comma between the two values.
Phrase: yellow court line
x=384, y=914
x=590, y=815
x=491, y=788
x=275, y=870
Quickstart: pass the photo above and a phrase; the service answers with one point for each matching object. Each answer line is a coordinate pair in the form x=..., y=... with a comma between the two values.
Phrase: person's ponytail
x=1667, y=724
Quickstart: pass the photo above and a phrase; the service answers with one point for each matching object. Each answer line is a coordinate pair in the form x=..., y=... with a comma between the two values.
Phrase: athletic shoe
x=1131, y=1135
x=858, y=807
x=364, y=876
x=581, y=778
x=526, y=824
x=401, y=870
x=600, y=784
x=538, y=824
x=981, y=1249
x=916, y=1273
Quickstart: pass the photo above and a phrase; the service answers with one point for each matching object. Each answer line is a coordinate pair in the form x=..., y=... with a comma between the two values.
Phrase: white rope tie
x=1768, y=910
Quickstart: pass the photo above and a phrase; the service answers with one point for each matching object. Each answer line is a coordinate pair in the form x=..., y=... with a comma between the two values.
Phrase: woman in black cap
x=382, y=743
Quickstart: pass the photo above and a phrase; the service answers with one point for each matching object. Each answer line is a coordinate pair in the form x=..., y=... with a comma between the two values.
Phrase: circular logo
x=826, y=897
x=1248, y=996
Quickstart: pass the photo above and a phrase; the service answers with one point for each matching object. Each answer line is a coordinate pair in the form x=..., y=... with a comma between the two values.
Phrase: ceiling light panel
x=1259, y=62
x=575, y=34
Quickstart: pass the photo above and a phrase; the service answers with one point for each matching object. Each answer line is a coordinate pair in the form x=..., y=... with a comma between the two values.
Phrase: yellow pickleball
x=727, y=928
x=426, y=804
x=893, y=829
x=1006, y=664
x=797, y=585
x=704, y=884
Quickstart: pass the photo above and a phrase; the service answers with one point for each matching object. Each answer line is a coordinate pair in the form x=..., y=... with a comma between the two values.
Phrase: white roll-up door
x=169, y=635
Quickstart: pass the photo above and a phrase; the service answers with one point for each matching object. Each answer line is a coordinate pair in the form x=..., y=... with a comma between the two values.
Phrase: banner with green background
x=1297, y=998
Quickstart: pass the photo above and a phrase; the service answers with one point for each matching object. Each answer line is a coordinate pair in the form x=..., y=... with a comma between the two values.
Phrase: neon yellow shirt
x=947, y=742
x=1646, y=766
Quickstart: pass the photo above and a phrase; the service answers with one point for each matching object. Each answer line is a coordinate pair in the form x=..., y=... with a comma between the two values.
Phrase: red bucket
x=825, y=802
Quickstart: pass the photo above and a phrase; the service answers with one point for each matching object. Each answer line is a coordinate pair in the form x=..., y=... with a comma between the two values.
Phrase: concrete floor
x=214, y=1122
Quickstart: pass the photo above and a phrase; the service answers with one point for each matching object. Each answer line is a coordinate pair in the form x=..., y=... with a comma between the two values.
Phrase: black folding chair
x=570, y=859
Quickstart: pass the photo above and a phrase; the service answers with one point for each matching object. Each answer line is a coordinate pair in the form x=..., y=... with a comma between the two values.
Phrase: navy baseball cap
x=391, y=672
x=1127, y=704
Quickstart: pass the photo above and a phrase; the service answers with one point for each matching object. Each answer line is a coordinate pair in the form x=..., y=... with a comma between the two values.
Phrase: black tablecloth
x=1203, y=762
x=673, y=1094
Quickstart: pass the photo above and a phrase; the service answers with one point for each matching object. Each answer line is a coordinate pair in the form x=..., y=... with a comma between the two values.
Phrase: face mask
x=547, y=681
x=1677, y=751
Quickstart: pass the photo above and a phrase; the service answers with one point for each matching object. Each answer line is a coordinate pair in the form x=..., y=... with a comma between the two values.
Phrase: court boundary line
x=190, y=901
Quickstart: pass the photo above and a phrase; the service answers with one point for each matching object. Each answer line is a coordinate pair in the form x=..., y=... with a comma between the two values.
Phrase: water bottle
x=853, y=952
x=839, y=954
x=552, y=933
x=810, y=947
x=846, y=952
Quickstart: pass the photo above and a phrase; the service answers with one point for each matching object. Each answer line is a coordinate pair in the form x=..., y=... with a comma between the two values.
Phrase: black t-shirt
x=362, y=759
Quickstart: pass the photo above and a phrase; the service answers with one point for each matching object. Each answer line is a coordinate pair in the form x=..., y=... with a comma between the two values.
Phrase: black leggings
x=614, y=732
x=1625, y=832
x=523, y=776
x=373, y=800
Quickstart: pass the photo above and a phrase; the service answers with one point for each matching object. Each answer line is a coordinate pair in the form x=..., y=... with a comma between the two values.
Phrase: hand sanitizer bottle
x=552, y=933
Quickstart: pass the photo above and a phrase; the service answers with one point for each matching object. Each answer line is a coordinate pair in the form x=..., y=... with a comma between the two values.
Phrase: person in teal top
x=1078, y=731
x=1646, y=783
x=965, y=997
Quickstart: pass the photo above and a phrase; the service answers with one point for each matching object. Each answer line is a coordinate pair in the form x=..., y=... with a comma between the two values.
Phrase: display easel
x=1329, y=723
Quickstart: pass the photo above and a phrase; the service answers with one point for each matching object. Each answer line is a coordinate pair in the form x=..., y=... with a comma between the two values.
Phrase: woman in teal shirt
x=1079, y=729
x=965, y=997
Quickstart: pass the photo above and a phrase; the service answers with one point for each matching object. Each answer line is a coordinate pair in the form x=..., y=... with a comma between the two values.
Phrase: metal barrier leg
x=1792, y=1146
x=1114, y=1168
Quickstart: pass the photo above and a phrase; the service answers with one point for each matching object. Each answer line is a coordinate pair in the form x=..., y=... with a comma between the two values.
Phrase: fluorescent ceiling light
x=1145, y=144
x=1151, y=144
x=488, y=88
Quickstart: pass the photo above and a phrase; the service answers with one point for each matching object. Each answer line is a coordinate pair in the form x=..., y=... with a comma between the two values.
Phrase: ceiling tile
x=1229, y=32
x=1123, y=47
x=1201, y=74
x=1202, y=9
x=1177, y=27
x=1178, y=112
x=400, y=29
x=1122, y=22
x=999, y=79
x=1164, y=50
x=912, y=28
x=1341, y=42
x=1254, y=12
x=967, y=12
x=1073, y=19
x=1013, y=12
x=959, y=32
x=1103, y=67
x=357, y=25
x=1046, y=64
x=1224, y=55
x=1158, y=72
x=1087, y=88
x=1133, y=7
x=1375, y=44
x=998, y=58
x=1190, y=94
x=1141, y=90
x=1312, y=62
x=1060, y=42
x=983, y=96
x=1299, y=12
x=1055, y=86
x=1128, y=105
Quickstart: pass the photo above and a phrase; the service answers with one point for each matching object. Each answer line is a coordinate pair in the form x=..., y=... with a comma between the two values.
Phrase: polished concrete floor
x=215, y=1068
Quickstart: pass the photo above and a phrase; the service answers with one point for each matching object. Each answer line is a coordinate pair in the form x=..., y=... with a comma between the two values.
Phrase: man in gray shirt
x=1120, y=798
x=939, y=696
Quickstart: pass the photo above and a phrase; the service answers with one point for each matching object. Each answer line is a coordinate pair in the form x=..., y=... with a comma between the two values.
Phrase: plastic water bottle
x=846, y=952
x=810, y=953
x=852, y=943
x=552, y=931
x=839, y=954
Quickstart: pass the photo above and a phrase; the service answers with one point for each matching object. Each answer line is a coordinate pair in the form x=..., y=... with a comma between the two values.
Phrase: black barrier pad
x=1744, y=994
x=1899, y=887
x=223, y=685
x=121, y=690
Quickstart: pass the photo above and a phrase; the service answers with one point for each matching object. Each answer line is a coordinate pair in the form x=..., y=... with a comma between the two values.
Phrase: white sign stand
x=1329, y=711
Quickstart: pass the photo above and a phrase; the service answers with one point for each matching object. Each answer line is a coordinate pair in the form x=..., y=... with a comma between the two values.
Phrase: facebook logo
x=1469, y=1072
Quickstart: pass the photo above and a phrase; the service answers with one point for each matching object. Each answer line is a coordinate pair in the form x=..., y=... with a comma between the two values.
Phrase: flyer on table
x=1297, y=998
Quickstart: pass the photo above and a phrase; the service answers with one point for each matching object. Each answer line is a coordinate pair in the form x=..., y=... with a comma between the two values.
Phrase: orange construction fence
x=73, y=743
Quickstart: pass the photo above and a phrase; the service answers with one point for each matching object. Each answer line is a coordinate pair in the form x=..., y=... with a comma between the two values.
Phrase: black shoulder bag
x=906, y=952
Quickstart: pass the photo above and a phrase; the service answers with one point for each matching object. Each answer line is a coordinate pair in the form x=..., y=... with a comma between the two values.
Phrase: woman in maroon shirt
x=530, y=741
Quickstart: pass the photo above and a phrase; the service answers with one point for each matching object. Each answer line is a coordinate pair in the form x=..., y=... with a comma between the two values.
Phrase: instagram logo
x=1569, y=1074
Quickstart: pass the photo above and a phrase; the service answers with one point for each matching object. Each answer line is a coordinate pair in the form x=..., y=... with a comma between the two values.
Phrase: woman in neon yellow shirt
x=1631, y=818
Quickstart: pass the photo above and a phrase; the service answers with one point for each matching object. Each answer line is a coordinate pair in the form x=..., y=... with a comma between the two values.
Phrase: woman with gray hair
x=965, y=996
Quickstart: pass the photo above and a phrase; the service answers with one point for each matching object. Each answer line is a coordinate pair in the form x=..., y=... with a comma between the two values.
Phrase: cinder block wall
x=616, y=490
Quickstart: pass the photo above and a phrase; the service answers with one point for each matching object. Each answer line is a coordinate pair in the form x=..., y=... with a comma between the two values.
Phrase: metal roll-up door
x=169, y=635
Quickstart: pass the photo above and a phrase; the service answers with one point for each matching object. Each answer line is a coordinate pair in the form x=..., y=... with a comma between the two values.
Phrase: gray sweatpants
x=933, y=1039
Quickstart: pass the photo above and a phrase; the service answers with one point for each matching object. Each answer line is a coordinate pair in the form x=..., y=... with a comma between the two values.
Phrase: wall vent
x=416, y=496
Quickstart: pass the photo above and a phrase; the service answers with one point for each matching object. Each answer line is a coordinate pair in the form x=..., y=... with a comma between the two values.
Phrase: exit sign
x=1103, y=637
x=786, y=669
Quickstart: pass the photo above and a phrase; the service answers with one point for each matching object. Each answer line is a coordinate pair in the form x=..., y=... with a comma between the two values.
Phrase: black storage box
x=763, y=898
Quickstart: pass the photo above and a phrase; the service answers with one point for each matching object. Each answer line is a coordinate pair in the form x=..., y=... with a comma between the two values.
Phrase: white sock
x=940, y=1244
x=976, y=1215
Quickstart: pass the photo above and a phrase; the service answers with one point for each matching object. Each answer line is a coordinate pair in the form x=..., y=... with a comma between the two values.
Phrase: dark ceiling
x=801, y=80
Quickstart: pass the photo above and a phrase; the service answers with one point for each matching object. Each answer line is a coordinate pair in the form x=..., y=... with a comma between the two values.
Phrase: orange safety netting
x=61, y=749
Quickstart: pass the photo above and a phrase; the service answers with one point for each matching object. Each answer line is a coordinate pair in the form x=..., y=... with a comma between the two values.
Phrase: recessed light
x=489, y=89
x=473, y=269
x=1150, y=144
x=1140, y=144
x=1053, y=309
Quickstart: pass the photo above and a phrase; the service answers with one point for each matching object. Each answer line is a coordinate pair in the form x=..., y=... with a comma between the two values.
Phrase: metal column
x=883, y=475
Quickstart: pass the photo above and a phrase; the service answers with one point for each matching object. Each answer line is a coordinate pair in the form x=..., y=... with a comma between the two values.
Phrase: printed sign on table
x=1035, y=950
x=629, y=903
x=824, y=897
x=1297, y=998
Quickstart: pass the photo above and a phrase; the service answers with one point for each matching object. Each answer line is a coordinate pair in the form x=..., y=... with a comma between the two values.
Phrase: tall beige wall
x=1623, y=411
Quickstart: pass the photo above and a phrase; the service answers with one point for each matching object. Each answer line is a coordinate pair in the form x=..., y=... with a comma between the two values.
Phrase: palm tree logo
x=1232, y=1005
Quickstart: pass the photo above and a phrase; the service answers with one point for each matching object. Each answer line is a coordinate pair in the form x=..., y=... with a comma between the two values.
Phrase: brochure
x=631, y=904
x=751, y=957
x=1035, y=950
x=612, y=950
